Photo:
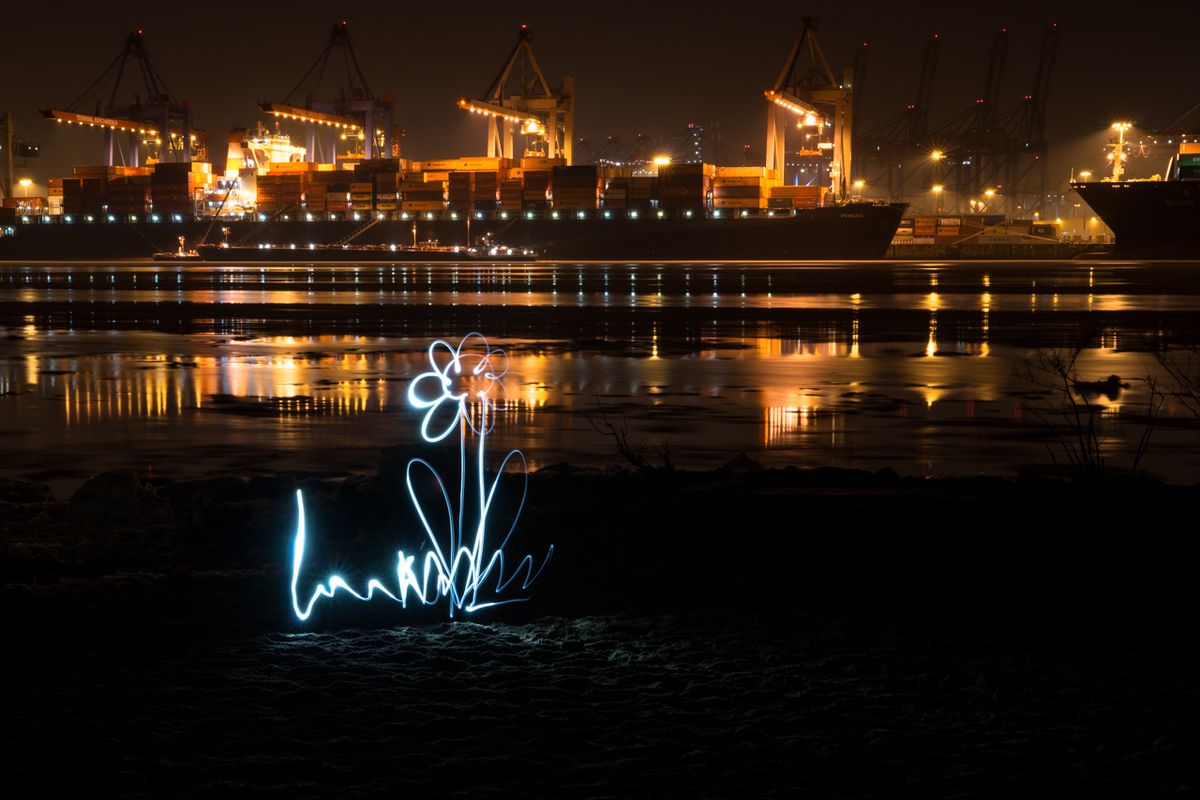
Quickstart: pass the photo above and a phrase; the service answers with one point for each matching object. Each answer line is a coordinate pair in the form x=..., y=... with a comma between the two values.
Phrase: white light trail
x=458, y=571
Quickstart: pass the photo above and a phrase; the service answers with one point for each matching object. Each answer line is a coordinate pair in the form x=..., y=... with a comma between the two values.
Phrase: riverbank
x=976, y=250
x=710, y=634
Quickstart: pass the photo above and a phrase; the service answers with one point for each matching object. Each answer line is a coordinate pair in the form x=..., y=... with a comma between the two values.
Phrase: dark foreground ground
x=730, y=634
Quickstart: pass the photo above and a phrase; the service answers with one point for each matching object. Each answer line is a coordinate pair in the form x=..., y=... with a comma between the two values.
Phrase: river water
x=176, y=371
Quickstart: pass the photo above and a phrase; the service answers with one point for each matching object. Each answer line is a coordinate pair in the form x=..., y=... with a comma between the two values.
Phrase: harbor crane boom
x=153, y=112
x=351, y=109
x=531, y=108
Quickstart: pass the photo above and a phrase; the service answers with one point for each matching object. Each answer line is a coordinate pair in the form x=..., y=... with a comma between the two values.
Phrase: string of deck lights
x=467, y=105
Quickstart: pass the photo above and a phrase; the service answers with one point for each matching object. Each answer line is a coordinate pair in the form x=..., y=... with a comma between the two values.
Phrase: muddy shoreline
x=734, y=632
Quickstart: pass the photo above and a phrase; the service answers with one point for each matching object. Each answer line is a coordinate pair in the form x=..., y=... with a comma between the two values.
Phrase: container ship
x=275, y=200
x=1152, y=218
x=454, y=209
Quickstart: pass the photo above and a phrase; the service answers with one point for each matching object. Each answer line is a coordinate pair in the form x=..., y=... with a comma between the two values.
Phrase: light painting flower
x=458, y=376
x=465, y=561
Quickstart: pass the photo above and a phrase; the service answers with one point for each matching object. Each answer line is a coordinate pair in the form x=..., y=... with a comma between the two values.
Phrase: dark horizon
x=637, y=69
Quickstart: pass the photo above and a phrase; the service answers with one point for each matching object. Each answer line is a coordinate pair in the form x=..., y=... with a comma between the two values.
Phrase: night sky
x=639, y=67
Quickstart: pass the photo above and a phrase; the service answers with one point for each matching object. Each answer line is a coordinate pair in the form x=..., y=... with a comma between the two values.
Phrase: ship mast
x=1118, y=154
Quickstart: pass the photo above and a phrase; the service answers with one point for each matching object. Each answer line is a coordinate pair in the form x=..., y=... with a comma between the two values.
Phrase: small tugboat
x=182, y=254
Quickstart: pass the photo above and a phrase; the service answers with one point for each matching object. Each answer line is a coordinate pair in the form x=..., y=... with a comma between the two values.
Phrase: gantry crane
x=807, y=88
x=349, y=111
x=529, y=108
x=861, y=60
x=7, y=142
x=151, y=117
x=1025, y=183
x=977, y=143
x=905, y=137
x=12, y=149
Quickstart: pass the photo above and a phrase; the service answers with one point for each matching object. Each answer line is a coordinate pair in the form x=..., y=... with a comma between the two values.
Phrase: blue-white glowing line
x=458, y=572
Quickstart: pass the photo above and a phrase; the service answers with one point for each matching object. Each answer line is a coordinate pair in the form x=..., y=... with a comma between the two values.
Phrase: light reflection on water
x=909, y=366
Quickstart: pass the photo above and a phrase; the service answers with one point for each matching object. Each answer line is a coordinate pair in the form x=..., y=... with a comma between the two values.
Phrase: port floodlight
x=937, y=155
x=662, y=161
x=25, y=183
x=860, y=184
x=1085, y=174
x=1122, y=126
x=937, y=188
x=992, y=192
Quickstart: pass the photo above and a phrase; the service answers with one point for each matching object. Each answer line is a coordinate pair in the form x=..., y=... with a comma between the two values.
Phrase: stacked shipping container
x=422, y=191
x=684, y=187
x=576, y=188
x=174, y=186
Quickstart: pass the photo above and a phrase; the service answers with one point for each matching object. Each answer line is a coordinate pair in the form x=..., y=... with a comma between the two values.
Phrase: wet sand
x=732, y=633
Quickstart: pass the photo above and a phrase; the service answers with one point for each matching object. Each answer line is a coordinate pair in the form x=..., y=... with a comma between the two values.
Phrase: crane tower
x=807, y=89
x=519, y=101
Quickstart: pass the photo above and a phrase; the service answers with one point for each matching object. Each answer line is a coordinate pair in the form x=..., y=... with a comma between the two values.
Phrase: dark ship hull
x=854, y=231
x=1151, y=219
